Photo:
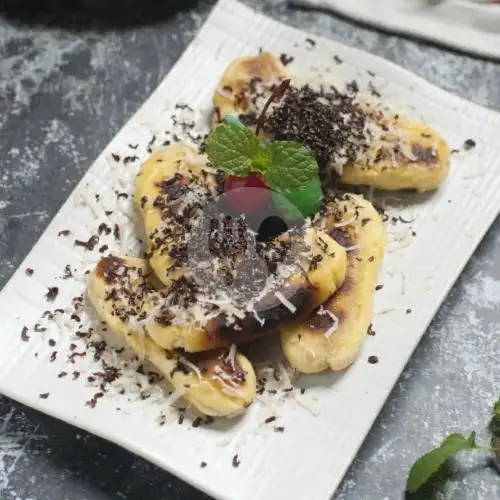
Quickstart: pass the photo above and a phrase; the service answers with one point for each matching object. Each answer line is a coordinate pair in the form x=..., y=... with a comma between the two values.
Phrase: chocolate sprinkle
x=93, y=402
x=45, y=395
x=64, y=232
x=310, y=42
x=130, y=159
x=372, y=360
x=236, y=461
x=103, y=228
x=197, y=421
x=52, y=293
x=90, y=244
x=24, y=334
x=469, y=144
x=67, y=272
x=331, y=124
x=286, y=59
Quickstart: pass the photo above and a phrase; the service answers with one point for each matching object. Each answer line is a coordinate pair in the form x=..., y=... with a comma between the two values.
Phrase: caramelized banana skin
x=272, y=313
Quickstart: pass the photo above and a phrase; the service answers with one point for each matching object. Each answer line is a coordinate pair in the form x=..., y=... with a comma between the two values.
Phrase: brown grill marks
x=424, y=154
x=271, y=311
x=107, y=268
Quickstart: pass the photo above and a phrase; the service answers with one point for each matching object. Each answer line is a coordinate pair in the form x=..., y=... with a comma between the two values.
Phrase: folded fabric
x=471, y=26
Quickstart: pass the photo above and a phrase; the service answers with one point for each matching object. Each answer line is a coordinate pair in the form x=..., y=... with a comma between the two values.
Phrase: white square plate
x=323, y=427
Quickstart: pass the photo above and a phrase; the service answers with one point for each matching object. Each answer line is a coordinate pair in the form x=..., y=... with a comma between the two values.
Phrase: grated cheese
x=257, y=317
x=91, y=203
x=191, y=366
x=176, y=395
x=351, y=248
x=335, y=319
x=284, y=373
x=231, y=357
x=285, y=302
x=346, y=222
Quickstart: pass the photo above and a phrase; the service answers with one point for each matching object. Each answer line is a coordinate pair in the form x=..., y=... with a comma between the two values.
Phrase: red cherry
x=246, y=194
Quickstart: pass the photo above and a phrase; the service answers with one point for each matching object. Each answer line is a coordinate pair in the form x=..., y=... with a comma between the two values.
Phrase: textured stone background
x=69, y=79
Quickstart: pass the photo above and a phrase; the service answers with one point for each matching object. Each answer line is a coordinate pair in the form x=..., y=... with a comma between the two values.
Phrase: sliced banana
x=323, y=272
x=404, y=155
x=412, y=156
x=179, y=164
x=231, y=96
x=330, y=338
x=218, y=384
x=177, y=174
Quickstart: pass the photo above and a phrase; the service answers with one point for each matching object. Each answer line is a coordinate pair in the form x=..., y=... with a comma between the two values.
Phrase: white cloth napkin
x=471, y=26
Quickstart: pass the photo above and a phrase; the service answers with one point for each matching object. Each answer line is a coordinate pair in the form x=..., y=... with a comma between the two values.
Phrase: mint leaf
x=299, y=203
x=292, y=166
x=494, y=429
x=494, y=425
x=262, y=159
x=232, y=148
x=429, y=464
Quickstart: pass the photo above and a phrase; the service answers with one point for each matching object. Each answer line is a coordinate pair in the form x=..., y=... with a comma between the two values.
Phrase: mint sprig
x=234, y=149
x=494, y=429
x=494, y=425
x=430, y=465
x=292, y=166
x=287, y=167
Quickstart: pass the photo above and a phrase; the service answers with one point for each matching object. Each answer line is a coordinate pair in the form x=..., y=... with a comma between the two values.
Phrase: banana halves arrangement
x=211, y=281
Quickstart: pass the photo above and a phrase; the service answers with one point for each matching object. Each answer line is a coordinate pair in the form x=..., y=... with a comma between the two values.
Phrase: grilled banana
x=218, y=384
x=259, y=73
x=173, y=193
x=331, y=336
x=410, y=155
x=353, y=141
x=178, y=165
